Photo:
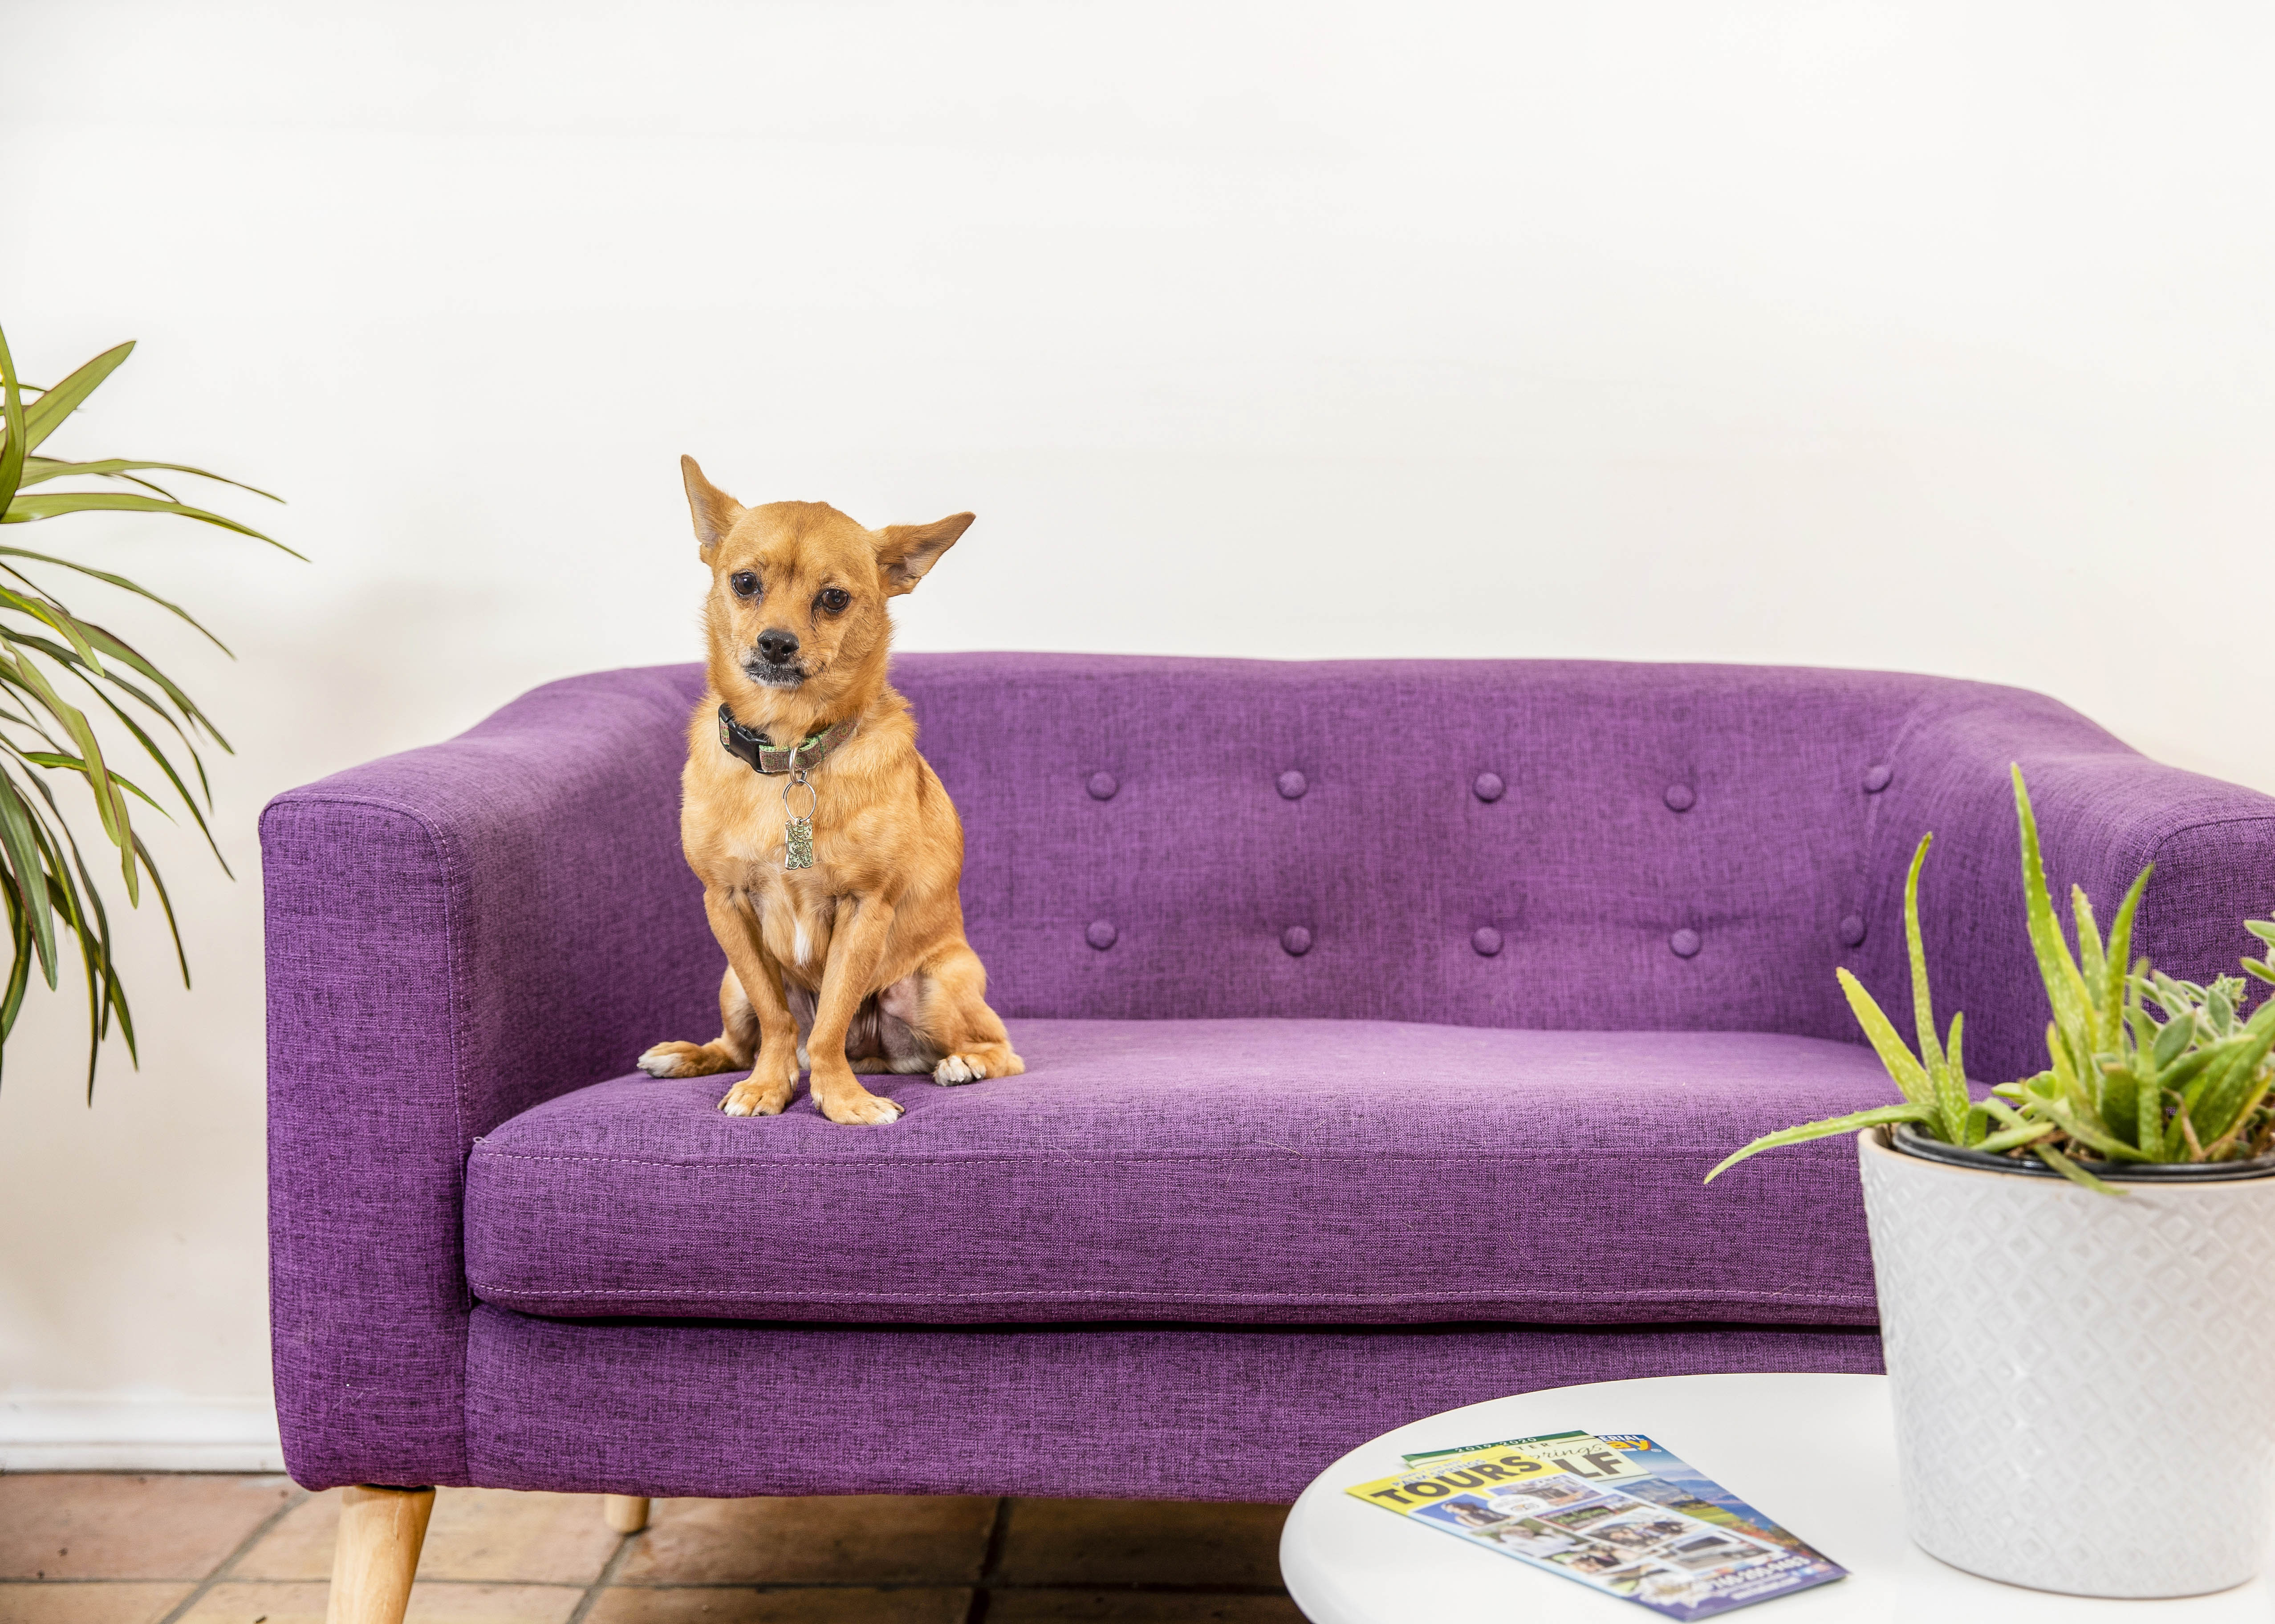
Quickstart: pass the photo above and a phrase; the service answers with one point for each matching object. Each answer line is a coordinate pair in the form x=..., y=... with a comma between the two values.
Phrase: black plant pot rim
x=1912, y=1142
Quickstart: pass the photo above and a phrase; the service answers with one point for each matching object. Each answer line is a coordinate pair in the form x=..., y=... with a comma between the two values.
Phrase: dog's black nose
x=777, y=648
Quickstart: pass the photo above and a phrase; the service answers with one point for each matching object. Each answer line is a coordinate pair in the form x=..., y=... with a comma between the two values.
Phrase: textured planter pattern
x=2081, y=1381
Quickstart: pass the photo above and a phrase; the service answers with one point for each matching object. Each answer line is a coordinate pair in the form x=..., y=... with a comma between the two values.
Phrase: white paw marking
x=656, y=1063
x=955, y=1068
x=733, y=1106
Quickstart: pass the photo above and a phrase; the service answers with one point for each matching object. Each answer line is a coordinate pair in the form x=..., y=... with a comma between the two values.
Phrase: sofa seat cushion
x=1244, y=1171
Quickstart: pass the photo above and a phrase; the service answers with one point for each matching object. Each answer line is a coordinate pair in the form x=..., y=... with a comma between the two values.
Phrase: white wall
x=1925, y=336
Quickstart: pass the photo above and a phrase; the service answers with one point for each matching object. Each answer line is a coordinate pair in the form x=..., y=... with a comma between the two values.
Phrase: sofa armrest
x=453, y=935
x=2104, y=811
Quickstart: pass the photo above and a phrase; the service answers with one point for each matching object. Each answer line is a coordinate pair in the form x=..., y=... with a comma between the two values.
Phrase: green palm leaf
x=47, y=414
x=14, y=420
x=39, y=469
x=109, y=580
x=30, y=510
x=27, y=889
x=45, y=881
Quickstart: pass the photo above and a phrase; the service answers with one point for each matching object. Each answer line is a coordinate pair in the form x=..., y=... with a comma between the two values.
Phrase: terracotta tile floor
x=123, y=1548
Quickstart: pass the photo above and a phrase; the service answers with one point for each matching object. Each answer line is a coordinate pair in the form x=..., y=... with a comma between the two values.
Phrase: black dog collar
x=765, y=756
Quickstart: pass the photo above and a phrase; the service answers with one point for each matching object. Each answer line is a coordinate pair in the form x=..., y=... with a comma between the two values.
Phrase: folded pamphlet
x=1613, y=1511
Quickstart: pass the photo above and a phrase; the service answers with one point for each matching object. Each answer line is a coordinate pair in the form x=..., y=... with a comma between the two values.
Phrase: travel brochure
x=1613, y=1511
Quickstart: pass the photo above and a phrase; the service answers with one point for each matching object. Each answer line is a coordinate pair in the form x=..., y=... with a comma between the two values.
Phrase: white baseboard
x=108, y=1433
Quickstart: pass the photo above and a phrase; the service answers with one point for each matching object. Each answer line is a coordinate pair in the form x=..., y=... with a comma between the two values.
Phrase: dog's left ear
x=904, y=552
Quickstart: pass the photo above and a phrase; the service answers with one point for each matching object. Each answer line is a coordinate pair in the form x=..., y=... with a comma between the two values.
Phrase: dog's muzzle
x=767, y=675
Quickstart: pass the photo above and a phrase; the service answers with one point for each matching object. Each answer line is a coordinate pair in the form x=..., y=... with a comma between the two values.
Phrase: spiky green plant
x=2123, y=1086
x=45, y=648
x=1932, y=1082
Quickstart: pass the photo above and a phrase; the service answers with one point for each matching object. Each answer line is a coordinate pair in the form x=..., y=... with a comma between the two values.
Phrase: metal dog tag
x=798, y=832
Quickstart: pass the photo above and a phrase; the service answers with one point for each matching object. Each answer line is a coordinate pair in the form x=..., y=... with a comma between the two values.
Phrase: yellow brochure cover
x=1578, y=1505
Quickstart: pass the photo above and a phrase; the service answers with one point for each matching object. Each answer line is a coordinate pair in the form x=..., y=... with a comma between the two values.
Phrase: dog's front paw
x=753, y=1098
x=860, y=1109
x=684, y=1060
x=958, y=1068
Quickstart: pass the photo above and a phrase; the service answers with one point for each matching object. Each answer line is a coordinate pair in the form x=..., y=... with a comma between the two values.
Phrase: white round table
x=1816, y=1453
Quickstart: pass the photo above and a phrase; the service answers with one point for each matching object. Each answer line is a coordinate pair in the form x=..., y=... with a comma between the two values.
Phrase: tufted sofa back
x=1537, y=843
x=1504, y=843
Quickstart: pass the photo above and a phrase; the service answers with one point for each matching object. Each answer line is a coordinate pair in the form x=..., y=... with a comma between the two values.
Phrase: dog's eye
x=834, y=601
x=745, y=583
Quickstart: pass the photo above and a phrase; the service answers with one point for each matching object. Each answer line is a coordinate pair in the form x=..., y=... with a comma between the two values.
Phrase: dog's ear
x=904, y=552
x=715, y=510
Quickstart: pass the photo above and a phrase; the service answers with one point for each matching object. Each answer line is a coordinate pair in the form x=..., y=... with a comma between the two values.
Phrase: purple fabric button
x=1101, y=934
x=1685, y=944
x=1102, y=785
x=1296, y=941
x=1679, y=798
x=1852, y=930
x=1488, y=787
x=1292, y=785
x=1486, y=941
x=1877, y=777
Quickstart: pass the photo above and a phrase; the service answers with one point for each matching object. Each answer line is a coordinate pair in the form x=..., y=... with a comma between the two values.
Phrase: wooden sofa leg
x=381, y=1531
x=627, y=1514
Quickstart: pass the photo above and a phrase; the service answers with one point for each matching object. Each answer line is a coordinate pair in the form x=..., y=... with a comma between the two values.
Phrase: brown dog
x=859, y=960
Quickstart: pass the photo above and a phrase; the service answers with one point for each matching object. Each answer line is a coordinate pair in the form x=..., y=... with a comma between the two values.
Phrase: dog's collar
x=765, y=756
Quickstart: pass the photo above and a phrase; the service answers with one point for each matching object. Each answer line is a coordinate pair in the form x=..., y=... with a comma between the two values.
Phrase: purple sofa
x=1369, y=1072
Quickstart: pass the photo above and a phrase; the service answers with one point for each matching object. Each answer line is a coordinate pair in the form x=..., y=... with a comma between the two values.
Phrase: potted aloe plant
x=2072, y=1269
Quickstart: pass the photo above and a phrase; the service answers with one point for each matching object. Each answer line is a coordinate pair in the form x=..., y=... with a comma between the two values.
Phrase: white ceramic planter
x=2085, y=1384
